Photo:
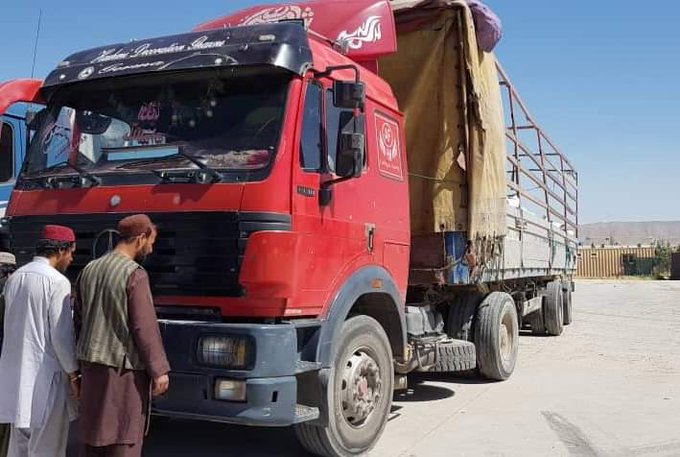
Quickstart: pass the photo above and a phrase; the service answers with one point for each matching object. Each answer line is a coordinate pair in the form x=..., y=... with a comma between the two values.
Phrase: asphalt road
x=609, y=386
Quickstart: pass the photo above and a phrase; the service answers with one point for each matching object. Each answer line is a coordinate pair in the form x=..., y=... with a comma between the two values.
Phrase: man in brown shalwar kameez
x=119, y=345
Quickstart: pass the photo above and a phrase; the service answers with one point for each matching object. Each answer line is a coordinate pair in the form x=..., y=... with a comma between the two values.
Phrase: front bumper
x=271, y=382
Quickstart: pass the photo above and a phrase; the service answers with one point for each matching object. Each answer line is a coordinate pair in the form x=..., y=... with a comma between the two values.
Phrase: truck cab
x=274, y=168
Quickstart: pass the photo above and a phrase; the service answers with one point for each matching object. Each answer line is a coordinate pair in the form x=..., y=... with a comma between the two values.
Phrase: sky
x=601, y=78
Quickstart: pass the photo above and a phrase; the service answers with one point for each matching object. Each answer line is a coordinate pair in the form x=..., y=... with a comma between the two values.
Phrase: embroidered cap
x=7, y=259
x=58, y=233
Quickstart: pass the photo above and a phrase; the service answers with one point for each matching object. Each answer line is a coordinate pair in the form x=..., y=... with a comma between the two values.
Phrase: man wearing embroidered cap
x=119, y=345
x=38, y=365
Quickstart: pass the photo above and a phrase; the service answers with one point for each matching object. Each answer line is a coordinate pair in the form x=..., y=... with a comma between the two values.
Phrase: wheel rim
x=506, y=338
x=361, y=386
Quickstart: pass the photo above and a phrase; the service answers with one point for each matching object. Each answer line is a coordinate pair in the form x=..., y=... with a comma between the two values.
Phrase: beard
x=141, y=258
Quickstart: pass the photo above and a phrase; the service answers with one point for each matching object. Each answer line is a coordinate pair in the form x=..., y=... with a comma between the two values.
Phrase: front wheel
x=359, y=393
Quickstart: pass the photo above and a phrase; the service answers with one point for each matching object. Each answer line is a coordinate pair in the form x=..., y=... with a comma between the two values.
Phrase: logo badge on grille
x=104, y=242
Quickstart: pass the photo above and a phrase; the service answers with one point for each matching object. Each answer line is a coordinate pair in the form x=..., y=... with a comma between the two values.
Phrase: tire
x=536, y=322
x=497, y=336
x=362, y=344
x=566, y=303
x=553, y=309
x=460, y=324
x=455, y=356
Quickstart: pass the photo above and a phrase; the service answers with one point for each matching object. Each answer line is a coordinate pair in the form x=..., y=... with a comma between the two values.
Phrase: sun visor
x=282, y=45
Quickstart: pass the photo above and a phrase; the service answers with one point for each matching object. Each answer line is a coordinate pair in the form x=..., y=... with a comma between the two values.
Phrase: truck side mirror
x=349, y=154
x=350, y=159
x=349, y=94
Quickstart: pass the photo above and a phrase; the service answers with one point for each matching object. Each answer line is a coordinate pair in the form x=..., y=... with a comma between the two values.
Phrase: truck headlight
x=233, y=352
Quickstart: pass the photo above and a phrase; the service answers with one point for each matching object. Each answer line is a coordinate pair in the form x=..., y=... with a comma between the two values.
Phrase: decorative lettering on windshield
x=147, y=50
x=56, y=142
x=143, y=137
x=118, y=67
x=144, y=131
x=149, y=112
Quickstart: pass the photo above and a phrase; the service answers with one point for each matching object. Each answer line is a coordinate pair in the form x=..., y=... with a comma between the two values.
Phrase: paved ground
x=609, y=386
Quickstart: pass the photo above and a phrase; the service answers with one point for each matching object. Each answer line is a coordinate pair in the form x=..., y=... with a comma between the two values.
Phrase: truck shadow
x=528, y=333
x=177, y=437
x=423, y=393
x=454, y=378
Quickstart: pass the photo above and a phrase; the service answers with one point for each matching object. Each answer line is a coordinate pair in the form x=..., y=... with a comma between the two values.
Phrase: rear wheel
x=566, y=303
x=359, y=393
x=497, y=336
x=553, y=309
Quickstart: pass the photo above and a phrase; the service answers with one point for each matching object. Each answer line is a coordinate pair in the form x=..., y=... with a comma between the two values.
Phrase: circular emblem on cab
x=86, y=73
x=104, y=242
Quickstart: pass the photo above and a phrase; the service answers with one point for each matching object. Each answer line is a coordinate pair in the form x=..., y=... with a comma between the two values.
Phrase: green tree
x=662, y=259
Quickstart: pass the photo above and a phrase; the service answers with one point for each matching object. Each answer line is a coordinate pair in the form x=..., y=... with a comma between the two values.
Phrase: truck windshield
x=228, y=122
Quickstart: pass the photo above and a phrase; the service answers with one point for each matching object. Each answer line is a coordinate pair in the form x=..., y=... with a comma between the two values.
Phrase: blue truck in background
x=12, y=152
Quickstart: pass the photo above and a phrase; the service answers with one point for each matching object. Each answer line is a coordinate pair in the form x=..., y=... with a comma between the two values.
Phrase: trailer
x=494, y=203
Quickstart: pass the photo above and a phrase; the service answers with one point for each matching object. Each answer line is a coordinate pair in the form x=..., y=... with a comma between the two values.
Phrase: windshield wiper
x=205, y=174
x=84, y=176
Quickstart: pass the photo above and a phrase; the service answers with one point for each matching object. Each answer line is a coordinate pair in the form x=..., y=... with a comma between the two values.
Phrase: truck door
x=334, y=235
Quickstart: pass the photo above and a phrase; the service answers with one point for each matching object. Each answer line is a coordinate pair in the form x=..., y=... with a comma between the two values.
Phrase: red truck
x=339, y=204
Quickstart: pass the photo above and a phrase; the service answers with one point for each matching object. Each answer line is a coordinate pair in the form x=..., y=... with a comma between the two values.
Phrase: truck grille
x=196, y=254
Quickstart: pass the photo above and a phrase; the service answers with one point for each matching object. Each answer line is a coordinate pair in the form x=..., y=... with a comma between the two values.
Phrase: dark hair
x=50, y=248
x=130, y=239
x=6, y=270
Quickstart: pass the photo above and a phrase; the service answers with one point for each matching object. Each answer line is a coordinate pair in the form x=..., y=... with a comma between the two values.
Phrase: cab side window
x=6, y=153
x=311, y=142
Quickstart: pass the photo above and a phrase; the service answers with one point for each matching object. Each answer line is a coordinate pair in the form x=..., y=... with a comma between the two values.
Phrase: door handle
x=370, y=237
